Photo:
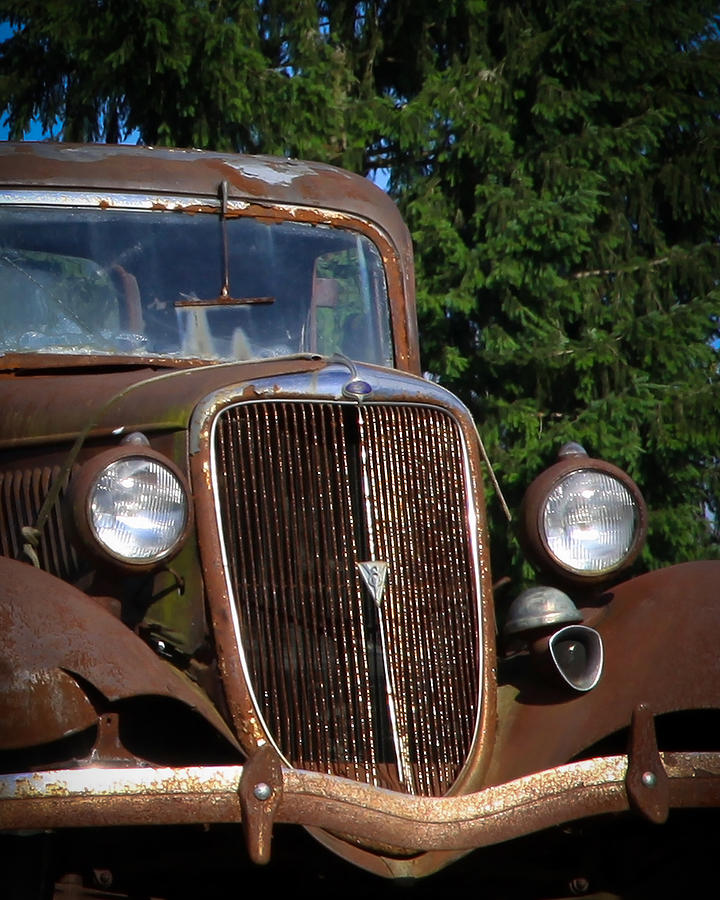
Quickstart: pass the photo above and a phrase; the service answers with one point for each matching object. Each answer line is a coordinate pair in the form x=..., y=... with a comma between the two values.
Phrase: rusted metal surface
x=115, y=168
x=39, y=410
x=647, y=781
x=146, y=796
x=661, y=633
x=50, y=627
x=39, y=705
x=260, y=792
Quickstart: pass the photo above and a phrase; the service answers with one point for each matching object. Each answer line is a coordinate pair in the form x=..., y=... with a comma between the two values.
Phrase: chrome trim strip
x=112, y=200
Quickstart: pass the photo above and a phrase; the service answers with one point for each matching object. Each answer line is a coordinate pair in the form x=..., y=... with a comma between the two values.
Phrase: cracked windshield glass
x=187, y=286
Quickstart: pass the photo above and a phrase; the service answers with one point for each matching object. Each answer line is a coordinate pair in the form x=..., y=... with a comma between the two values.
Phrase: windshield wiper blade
x=222, y=300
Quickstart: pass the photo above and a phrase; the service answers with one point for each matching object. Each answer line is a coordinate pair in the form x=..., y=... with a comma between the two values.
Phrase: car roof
x=199, y=173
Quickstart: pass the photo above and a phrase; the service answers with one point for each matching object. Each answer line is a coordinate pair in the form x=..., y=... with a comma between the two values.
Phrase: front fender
x=661, y=634
x=50, y=634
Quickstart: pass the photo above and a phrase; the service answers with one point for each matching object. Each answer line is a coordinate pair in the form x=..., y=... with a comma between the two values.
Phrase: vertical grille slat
x=307, y=491
x=22, y=493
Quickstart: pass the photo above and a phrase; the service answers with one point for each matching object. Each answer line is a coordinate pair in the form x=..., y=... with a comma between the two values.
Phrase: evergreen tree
x=559, y=170
x=256, y=76
x=557, y=162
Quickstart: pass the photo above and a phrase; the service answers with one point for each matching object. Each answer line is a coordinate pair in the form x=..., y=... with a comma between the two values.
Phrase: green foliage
x=234, y=75
x=559, y=174
x=557, y=162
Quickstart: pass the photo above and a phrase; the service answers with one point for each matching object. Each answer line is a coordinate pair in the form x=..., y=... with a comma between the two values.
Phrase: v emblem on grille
x=374, y=574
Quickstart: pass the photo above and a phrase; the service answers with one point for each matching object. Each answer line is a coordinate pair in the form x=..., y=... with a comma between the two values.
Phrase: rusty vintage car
x=245, y=579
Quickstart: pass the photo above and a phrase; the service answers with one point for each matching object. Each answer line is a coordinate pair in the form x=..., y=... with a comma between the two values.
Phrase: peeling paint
x=272, y=172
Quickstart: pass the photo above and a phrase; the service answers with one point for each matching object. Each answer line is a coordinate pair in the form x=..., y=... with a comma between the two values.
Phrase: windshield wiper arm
x=225, y=298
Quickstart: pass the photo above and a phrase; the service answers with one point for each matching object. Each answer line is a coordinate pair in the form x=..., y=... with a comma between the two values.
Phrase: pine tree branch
x=596, y=273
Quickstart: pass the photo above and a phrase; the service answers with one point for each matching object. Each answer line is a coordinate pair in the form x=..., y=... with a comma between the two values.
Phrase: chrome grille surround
x=379, y=689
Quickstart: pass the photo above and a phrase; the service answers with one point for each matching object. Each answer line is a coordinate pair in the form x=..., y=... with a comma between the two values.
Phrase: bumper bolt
x=262, y=791
x=649, y=779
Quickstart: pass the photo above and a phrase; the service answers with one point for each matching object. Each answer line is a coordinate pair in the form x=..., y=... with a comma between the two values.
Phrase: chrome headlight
x=132, y=506
x=584, y=518
x=589, y=521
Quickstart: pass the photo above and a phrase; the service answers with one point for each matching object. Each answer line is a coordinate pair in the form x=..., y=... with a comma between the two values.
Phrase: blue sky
x=35, y=133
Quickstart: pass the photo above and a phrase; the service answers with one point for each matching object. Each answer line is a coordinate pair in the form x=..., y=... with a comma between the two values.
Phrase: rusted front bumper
x=261, y=793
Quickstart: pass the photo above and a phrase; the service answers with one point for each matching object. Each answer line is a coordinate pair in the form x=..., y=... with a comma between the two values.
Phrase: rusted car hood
x=56, y=405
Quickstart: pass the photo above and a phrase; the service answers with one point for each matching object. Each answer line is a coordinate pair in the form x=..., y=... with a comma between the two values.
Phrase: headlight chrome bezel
x=532, y=520
x=83, y=486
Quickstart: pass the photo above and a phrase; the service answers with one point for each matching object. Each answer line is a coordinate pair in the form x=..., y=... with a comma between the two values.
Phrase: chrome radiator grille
x=383, y=689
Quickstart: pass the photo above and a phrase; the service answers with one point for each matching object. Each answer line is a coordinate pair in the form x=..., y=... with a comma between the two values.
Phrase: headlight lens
x=138, y=509
x=590, y=520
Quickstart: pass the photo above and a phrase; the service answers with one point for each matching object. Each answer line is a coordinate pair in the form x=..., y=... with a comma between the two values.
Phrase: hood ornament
x=355, y=388
x=374, y=574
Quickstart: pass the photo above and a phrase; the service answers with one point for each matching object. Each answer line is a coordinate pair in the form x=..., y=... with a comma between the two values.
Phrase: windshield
x=187, y=286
